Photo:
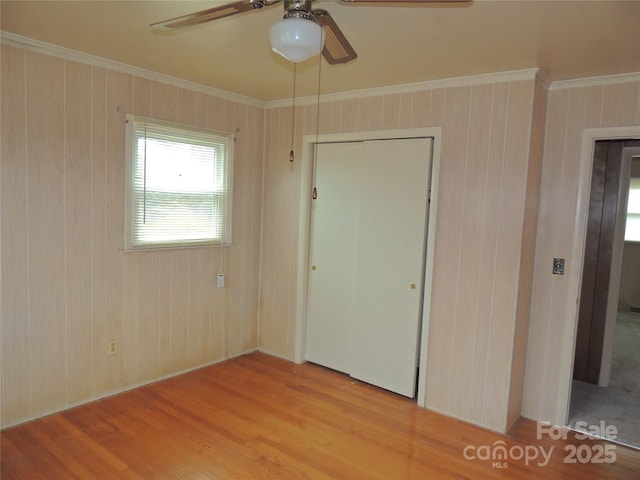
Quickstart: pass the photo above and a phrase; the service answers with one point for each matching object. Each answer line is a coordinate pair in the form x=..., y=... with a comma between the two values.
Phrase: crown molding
x=81, y=57
x=595, y=81
x=37, y=46
x=472, y=80
x=465, y=81
x=543, y=77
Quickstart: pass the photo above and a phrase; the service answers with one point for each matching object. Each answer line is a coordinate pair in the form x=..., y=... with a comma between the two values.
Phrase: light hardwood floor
x=257, y=416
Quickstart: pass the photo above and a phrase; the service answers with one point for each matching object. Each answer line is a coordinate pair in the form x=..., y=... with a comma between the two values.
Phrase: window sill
x=175, y=247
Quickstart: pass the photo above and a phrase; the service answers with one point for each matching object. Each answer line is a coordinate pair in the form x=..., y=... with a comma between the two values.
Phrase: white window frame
x=130, y=242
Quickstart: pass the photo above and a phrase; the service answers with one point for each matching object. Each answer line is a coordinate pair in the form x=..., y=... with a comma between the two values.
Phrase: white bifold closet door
x=367, y=247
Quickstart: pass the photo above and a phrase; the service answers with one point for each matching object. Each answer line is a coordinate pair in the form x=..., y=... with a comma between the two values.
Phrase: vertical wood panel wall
x=569, y=112
x=67, y=286
x=527, y=256
x=487, y=200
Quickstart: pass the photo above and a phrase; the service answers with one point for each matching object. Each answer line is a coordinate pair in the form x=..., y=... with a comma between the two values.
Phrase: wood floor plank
x=260, y=417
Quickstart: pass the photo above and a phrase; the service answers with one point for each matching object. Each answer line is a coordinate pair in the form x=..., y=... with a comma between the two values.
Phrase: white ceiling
x=397, y=43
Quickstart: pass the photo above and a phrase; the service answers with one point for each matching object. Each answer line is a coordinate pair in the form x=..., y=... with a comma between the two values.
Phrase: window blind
x=180, y=183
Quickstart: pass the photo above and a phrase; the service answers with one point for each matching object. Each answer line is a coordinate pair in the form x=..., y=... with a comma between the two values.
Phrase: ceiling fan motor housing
x=291, y=6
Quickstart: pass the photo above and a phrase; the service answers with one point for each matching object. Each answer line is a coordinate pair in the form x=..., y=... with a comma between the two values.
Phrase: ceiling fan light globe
x=296, y=39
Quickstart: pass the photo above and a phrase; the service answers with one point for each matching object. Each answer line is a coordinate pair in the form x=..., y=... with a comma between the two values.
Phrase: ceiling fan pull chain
x=293, y=114
x=314, y=193
x=318, y=99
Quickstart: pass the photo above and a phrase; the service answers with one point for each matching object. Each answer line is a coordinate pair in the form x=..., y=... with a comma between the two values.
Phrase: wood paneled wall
x=527, y=255
x=569, y=112
x=489, y=175
x=67, y=286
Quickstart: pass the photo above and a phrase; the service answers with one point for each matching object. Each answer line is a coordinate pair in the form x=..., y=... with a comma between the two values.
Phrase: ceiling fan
x=302, y=33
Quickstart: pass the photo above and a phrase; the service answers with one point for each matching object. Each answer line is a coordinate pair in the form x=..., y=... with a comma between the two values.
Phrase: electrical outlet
x=112, y=347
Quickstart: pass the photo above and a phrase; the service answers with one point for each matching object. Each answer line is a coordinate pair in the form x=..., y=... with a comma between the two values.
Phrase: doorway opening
x=606, y=368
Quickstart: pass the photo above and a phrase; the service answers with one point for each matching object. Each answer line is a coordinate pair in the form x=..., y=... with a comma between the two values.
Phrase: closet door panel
x=390, y=262
x=332, y=255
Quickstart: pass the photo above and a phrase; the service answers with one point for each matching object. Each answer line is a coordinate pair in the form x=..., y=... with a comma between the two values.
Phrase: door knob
x=313, y=267
x=413, y=286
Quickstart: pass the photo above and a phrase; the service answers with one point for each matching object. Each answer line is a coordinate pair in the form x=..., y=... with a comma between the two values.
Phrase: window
x=178, y=190
x=632, y=230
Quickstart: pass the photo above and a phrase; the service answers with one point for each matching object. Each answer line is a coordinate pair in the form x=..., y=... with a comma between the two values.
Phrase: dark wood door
x=603, y=206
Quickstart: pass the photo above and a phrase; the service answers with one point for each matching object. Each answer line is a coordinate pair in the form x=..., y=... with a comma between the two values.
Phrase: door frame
x=304, y=223
x=576, y=261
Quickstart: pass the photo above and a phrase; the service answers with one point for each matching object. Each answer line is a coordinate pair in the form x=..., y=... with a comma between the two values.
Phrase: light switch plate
x=558, y=266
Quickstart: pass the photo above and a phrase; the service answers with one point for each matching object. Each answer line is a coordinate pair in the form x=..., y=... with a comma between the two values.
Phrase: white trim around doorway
x=589, y=137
